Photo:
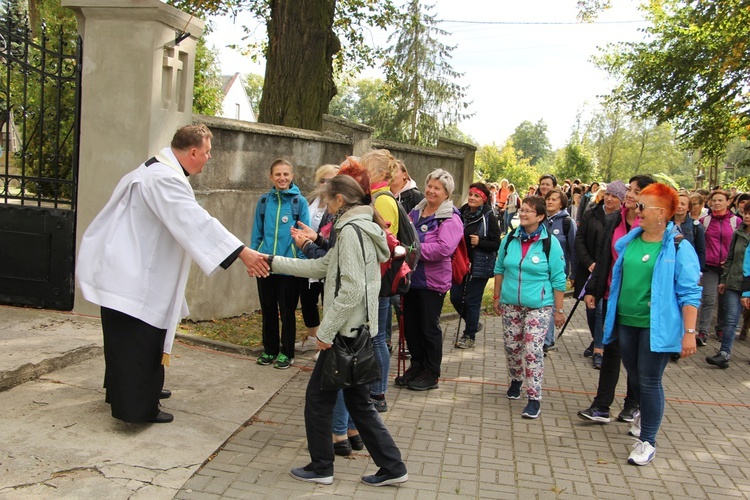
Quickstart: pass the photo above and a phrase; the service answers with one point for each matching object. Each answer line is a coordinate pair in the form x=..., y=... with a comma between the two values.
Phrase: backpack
x=262, y=209
x=460, y=263
x=396, y=272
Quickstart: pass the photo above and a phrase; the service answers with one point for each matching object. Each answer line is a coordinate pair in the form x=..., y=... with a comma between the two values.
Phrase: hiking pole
x=463, y=307
x=401, y=358
x=578, y=301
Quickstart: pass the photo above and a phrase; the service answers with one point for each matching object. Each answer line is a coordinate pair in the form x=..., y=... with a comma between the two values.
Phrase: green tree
x=494, y=163
x=254, y=89
x=421, y=82
x=207, y=88
x=692, y=70
x=362, y=101
x=531, y=139
x=309, y=41
x=575, y=161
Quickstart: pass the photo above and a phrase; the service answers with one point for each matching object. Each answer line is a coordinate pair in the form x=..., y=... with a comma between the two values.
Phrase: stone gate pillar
x=136, y=89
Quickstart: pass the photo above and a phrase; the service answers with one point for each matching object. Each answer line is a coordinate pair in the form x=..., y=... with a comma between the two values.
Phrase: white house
x=235, y=104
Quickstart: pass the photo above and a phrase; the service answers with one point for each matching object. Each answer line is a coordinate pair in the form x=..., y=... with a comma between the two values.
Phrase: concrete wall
x=238, y=174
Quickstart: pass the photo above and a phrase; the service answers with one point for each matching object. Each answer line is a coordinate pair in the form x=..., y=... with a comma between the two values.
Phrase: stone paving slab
x=467, y=440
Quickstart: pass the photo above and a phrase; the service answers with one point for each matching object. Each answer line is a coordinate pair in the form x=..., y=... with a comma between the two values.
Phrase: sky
x=514, y=72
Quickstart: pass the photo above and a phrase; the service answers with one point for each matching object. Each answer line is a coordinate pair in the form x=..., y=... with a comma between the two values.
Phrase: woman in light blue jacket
x=651, y=254
x=529, y=281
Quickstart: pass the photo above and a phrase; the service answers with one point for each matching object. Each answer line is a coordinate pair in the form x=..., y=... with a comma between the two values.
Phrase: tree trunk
x=299, y=83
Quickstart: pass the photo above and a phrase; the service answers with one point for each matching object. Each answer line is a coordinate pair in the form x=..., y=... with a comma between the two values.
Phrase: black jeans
x=609, y=375
x=279, y=294
x=319, y=419
x=422, y=330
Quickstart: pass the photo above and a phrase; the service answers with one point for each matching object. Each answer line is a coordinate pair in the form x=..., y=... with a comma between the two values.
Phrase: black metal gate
x=39, y=118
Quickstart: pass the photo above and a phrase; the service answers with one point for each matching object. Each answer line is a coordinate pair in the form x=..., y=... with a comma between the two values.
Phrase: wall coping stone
x=408, y=148
x=268, y=129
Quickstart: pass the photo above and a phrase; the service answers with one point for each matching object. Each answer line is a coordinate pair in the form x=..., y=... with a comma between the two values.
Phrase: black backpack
x=395, y=280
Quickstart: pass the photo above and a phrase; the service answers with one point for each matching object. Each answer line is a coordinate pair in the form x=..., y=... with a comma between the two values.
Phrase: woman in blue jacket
x=277, y=212
x=649, y=254
x=529, y=281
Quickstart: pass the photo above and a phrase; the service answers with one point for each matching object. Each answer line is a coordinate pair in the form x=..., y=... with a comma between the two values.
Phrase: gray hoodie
x=346, y=311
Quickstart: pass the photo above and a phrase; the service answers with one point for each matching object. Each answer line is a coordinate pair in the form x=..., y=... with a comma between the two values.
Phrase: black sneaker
x=343, y=448
x=597, y=361
x=701, y=339
x=595, y=414
x=589, y=351
x=306, y=474
x=514, y=391
x=532, y=410
x=409, y=375
x=382, y=478
x=423, y=382
x=627, y=414
x=720, y=359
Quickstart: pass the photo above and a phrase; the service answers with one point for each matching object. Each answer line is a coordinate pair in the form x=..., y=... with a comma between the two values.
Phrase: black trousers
x=609, y=375
x=422, y=330
x=309, y=291
x=319, y=419
x=278, y=297
x=133, y=373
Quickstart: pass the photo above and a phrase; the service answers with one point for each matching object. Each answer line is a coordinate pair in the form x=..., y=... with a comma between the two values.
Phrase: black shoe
x=424, y=382
x=676, y=357
x=410, y=374
x=343, y=448
x=701, y=339
x=720, y=359
x=595, y=414
x=514, y=391
x=589, y=351
x=162, y=418
x=165, y=394
x=356, y=442
x=532, y=410
x=382, y=478
x=627, y=414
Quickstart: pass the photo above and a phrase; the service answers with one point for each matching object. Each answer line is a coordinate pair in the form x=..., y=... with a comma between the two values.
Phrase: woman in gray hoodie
x=356, y=267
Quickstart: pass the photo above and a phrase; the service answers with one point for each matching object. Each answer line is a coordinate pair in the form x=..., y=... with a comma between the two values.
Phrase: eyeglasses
x=533, y=212
x=642, y=207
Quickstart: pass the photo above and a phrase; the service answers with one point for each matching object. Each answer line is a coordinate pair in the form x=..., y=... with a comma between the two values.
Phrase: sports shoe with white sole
x=382, y=478
x=642, y=453
x=635, y=427
x=304, y=474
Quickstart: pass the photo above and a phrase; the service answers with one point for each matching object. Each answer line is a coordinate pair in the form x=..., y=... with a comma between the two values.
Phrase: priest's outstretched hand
x=256, y=264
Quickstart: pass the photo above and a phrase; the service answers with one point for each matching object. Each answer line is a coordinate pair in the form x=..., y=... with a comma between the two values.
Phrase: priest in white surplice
x=134, y=261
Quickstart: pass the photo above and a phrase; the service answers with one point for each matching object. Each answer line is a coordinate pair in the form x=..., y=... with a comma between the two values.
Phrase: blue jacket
x=529, y=281
x=673, y=286
x=272, y=235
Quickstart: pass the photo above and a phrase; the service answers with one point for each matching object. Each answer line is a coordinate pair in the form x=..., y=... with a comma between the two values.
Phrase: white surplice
x=135, y=256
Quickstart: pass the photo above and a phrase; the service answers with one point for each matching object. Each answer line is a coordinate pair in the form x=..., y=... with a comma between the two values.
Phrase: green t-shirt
x=634, y=303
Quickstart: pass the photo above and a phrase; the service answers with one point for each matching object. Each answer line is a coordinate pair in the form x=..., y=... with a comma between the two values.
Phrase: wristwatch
x=561, y=311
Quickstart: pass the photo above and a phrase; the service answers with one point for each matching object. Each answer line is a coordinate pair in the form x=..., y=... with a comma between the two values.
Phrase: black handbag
x=351, y=362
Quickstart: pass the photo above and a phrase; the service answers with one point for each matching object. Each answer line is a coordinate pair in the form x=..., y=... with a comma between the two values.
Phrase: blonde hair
x=327, y=170
x=380, y=164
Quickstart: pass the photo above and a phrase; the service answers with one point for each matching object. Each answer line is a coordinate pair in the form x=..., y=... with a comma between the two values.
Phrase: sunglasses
x=641, y=207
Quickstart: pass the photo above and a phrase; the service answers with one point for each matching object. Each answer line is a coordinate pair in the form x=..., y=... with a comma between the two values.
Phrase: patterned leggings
x=525, y=330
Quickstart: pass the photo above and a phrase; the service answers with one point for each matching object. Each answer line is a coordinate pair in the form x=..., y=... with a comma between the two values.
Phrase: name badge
x=285, y=219
x=535, y=259
x=423, y=228
x=556, y=231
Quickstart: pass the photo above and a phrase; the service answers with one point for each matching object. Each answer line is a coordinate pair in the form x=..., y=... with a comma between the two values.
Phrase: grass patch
x=246, y=330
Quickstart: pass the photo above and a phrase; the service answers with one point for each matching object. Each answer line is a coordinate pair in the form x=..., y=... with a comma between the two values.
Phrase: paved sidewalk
x=467, y=440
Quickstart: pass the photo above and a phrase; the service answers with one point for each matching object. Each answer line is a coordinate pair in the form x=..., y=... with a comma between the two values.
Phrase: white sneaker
x=308, y=344
x=635, y=427
x=642, y=453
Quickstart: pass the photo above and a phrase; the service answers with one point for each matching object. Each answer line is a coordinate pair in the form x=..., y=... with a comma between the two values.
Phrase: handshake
x=255, y=262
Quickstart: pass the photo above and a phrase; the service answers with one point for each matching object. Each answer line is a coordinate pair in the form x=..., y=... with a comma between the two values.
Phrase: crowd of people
x=603, y=241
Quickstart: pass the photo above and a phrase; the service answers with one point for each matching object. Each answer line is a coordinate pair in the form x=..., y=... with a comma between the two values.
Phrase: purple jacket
x=719, y=230
x=439, y=235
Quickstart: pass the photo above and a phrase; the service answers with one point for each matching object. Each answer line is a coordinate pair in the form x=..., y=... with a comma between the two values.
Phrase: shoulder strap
x=295, y=207
x=677, y=240
x=546, y=244
x=262, y=212
x=706, y=221
x=364, y=262
x=733, y=222
x=695, y=233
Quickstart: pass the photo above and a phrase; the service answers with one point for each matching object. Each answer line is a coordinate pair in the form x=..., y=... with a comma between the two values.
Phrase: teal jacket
x=530, y=281
x=674, y=285
x=272, y=235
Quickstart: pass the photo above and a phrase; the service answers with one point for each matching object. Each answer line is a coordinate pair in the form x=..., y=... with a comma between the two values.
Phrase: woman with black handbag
x=352, y=285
